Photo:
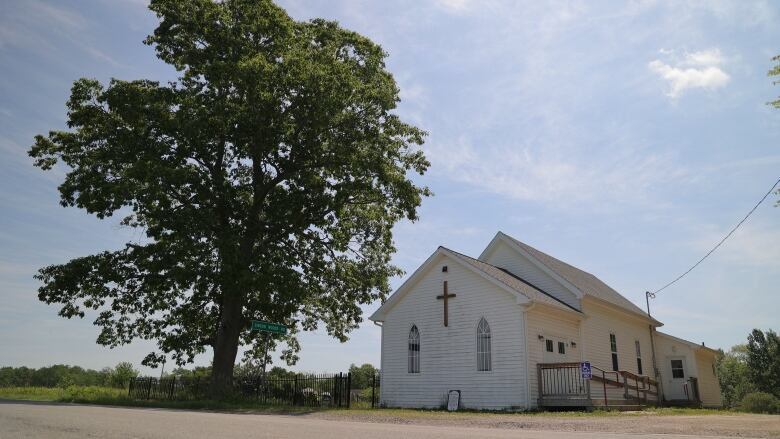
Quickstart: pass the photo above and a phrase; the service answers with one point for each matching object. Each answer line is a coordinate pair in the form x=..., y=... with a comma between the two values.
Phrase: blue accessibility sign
x=585, y=370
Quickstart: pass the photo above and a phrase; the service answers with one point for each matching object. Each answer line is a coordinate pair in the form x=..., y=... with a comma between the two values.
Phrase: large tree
x=763, y=361
x=267, y=179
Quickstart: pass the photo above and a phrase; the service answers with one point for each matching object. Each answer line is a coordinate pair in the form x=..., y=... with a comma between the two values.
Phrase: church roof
x=512, y=281
x=587, y=283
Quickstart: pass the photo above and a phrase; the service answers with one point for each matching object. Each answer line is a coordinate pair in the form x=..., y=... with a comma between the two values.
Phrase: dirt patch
x=734, y=425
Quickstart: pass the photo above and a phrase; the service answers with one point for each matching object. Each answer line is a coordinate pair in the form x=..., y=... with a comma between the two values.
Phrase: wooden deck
x=561, y=385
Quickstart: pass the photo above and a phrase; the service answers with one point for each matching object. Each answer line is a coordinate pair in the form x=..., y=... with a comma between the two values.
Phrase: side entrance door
x=566, y=381
x=676, y=378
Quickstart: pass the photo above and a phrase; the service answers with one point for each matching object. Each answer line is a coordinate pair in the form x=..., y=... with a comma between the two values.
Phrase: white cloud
x=695, y=70
x=558, y=175
x=454, y=5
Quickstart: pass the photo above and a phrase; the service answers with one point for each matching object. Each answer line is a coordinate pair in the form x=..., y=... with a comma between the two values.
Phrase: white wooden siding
x=448, y=354
x=698, y=364
x=503, y=256
x=666, y=349
x=548, y=323
x=599, y=322
x=709, y=387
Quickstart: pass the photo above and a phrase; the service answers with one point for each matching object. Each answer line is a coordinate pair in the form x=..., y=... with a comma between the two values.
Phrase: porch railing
x=562, y=384
x=562, y=381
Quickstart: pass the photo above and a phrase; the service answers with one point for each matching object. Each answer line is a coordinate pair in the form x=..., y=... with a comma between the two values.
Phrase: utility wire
x=722, y=240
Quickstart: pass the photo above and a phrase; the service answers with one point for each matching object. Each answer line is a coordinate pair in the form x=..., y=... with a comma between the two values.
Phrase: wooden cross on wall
x=445, y=297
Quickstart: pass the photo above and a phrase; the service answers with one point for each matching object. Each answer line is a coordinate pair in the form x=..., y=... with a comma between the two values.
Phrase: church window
x=483, y=346
x=613, y=348
x=414, y=350
x=638, y=357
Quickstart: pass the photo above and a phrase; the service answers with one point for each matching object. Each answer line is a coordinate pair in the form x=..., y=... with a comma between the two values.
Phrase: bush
x=760, y=402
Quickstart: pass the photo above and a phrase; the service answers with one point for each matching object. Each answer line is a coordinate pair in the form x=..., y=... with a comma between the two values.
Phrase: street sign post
x=585, y=371
x=273, y=328
x=267, y=328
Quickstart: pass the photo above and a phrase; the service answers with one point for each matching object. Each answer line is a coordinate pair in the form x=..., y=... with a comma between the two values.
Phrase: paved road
x=51, y=420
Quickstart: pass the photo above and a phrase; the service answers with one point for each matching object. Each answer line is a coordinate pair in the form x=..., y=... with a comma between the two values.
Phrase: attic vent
x=444, y=269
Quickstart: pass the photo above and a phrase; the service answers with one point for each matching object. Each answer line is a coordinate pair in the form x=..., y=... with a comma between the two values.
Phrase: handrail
x=641, y=387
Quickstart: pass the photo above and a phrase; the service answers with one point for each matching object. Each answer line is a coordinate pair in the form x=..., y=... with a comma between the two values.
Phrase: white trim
x=593, y=300
x=419, y=350
x=380, y=313
x=688, y=343
x=525, y=353
x=490, y=346
x=502, y=237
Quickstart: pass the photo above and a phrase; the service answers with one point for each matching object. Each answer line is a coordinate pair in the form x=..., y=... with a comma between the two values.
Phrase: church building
x=518, y=329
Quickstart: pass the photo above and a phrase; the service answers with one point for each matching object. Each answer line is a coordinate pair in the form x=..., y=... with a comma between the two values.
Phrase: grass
x=118, y=397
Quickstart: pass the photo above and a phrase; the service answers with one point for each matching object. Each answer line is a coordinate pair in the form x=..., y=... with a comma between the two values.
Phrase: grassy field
x=113, y=396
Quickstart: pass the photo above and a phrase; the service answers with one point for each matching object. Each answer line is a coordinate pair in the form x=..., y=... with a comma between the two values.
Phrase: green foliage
x=73, y=393
x=61, y=375
x=121, y=375
x=775, y=71
x=733, y=375
x=751, y=367
x=267, y=179
x=280, y=372
x=763, y=361
x=760, y=402
x=362, y=376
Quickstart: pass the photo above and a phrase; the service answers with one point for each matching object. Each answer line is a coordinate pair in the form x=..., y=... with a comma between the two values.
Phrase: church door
x=675, y=386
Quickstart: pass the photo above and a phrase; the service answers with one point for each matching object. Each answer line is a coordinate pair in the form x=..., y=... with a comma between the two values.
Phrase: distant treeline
x=362, y=376
x=61, y=375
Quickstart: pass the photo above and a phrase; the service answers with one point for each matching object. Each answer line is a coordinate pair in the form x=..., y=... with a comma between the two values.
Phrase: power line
x=721, y=241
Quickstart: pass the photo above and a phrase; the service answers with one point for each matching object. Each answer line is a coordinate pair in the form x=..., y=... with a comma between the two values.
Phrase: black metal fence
x=368, y=396
x=301, y=390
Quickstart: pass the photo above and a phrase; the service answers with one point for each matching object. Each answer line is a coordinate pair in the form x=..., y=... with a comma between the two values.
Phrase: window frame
x=613, y=350
x=681, y=369
x=484, y=346
x=413, y=350
x=638, y=348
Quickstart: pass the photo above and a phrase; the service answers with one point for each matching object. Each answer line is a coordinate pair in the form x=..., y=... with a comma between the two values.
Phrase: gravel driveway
x=729, y=424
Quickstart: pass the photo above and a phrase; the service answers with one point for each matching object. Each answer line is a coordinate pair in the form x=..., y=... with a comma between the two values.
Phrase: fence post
x=539, y=383
x=295, y=390
x=349, y=388
x=625, y=386
x=149, y=389
x=130, y=388
x=373, y=390
x=173, y=385
x=195, y=392
x=340, y=385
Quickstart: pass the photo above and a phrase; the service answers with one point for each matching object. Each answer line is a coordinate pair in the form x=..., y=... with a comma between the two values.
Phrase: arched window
x=483, y=346
x=414, y=350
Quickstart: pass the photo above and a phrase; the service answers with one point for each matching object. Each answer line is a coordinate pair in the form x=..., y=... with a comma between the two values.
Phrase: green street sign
x=274, y=328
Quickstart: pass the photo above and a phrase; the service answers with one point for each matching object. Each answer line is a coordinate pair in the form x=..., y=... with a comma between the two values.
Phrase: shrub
x=760, y=402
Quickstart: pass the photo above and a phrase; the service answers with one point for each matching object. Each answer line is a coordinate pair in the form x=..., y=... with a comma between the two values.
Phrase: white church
x=510, y=330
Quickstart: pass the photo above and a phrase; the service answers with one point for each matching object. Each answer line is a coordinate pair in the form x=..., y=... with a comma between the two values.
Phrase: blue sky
x=625, y=138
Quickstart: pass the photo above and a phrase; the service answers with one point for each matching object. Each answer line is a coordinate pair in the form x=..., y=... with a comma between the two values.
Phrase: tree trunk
x=226, y=347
